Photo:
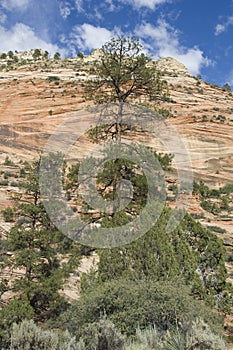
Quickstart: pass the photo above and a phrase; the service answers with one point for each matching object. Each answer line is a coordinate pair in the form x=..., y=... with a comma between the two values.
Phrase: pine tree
x=124, y=73
x=38, y=250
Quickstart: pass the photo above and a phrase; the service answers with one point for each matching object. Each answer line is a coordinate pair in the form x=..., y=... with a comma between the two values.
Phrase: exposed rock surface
x=169, y=65
x=35, y=100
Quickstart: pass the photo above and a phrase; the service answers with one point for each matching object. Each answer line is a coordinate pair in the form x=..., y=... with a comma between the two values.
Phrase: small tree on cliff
x=36, y=54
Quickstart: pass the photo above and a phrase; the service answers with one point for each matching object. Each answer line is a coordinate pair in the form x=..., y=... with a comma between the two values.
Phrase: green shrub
x=200, y=336
x=8, y=162
x=226, y=87
x=217, y=229
x=52, y=78
x=173, y=188
x=136, y=346
x=102, y=335
x=15, y=312
x=214, y=193
x=227, y=189
x=166, y=113
x=149, y=338
x=57, y=56
x=132, y=304
x=221, y=118
x=197, y=216
x=210, y=207
x=175, y=341
x=80, y=54
x=229, y=258
x=15, y=184
x=10, y=54
x=28, y=336
x=8, y=174
x=201, y=188
x=22, y=172
x=3, y=182
x=8, y=214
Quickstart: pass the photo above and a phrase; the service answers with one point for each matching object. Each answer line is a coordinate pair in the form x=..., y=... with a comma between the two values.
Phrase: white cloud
x=22, y=38
x=163, y=41
x=230, y=78
x=220, y=28
x=15, y=4
x=151, y=4
x=79, y=5
x=110, y=5
x=3, y=17
x=65, y=9
x=88, y=37
x=96, y=13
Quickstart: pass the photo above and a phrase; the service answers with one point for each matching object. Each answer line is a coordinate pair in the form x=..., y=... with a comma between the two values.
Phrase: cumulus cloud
x=88, y=37
x=22, y=38
x=151, y=4
x=163, y=41
x=15, y=4
x=222, y=27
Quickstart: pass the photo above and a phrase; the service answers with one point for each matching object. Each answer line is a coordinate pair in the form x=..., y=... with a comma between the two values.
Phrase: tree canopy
x=124, y=71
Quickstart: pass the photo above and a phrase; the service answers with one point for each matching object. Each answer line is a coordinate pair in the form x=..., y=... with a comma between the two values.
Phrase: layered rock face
x=204, y=119
x=36, y=99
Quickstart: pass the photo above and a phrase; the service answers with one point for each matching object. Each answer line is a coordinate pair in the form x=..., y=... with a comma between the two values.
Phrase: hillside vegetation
x=162, y=290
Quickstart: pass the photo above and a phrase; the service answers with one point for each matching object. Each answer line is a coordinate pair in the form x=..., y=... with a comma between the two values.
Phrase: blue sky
x=197, y=33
